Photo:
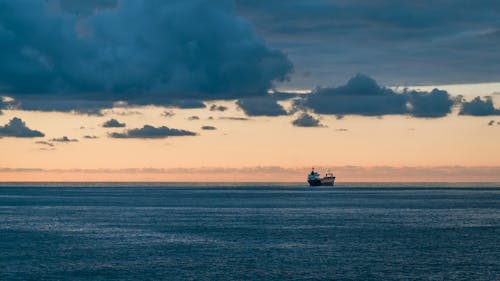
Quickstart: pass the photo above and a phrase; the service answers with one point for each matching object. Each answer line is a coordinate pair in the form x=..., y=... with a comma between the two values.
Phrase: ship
x=314, y=179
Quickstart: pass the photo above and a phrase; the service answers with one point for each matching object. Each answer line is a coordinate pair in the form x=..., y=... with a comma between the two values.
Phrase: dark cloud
x=282, y=96
x=45, y=143
x=193, y=118
x=215, y=107
x=234, y=118
x=306, y=120
x=479, y=107
x=168, y=113
x=83, y=7
x=363, y=96
x=113, y=123
x=150, y=132
x=433, y=104
x=62, y=104
x=17, y=128
x=63, y=139
x=428, y=42
x=90, y=137
x=261, y=106
x=179, y=103
x=208, y=128
x=142, y=52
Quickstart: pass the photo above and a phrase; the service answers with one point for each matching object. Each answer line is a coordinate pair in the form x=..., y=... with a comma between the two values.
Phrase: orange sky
x=364, y=142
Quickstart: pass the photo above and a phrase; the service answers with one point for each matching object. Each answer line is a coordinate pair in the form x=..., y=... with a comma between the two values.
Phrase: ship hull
x=322, y=182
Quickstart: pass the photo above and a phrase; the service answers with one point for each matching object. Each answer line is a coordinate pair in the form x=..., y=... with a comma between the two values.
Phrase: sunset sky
x=249, y=90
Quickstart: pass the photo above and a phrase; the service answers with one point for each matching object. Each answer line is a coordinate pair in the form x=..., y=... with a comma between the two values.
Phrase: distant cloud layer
x=150, y=132
x=113, y=123
x=363, y=96
x=143, y=52
x=17, y=128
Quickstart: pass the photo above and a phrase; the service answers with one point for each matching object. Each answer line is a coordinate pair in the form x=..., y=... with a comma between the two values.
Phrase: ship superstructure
x=314, y=179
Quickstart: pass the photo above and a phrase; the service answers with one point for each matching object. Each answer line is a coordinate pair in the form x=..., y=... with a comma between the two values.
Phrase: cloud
x=479, y=107
x=6, y=102
x=150, y=132
x=113, y=123
x=306, y=120
x=84, y=7
x=168, y=113
x=61, y=104
x=261, y=106
x=63, y=139
x=283, y=96
x=421, y=43
x=433, y=104
x=215, y=107
x=209, y=128
x=45, y=143
x=124, y=112
x=363, y=96
x=234, y=118
x=17, y=128
x=178, y=103
x=90, y=137
x=2, y=105
x=143, y=52
x=193, y=118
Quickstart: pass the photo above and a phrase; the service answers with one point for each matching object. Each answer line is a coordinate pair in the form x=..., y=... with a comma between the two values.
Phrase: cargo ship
x=314, y=179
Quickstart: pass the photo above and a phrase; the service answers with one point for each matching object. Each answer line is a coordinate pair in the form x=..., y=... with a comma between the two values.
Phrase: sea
x=248, y=231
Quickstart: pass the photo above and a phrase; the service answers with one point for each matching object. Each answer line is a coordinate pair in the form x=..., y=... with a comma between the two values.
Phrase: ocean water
x=248, y=232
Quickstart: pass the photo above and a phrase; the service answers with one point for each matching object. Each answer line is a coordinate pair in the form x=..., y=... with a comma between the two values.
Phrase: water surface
x=249, y=232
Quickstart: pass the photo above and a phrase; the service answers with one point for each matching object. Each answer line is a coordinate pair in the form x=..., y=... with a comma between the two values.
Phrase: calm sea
x=249, y=232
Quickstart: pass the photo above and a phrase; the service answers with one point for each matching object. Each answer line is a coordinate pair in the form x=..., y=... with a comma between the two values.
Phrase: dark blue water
x=249, y=233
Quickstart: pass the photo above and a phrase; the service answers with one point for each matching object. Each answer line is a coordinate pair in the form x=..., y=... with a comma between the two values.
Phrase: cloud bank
x=479, y=107
x=143, y=52
x=17, y=128
x=363, y=96
x=151, y=132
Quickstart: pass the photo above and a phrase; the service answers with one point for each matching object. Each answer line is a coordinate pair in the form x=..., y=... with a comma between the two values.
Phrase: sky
x=240, y=90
